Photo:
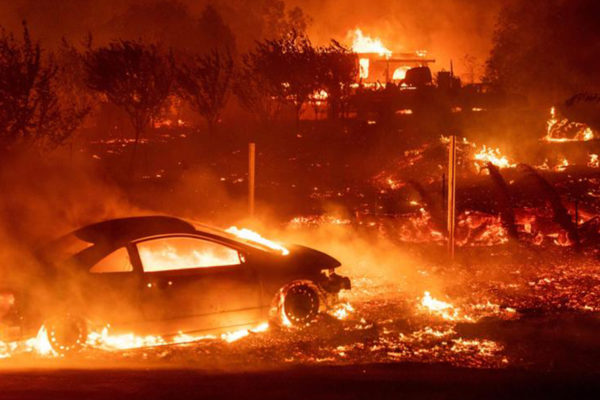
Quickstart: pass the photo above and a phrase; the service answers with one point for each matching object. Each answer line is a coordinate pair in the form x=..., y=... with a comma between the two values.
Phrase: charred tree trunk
x=507, y=213
x=435, y=210
x=561, y=216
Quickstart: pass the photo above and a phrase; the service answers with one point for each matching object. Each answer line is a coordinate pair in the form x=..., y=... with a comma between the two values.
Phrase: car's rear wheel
x=66, y=334
x=299, y=304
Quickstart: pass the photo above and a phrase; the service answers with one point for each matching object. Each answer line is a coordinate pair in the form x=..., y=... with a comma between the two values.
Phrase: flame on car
x=252, y=236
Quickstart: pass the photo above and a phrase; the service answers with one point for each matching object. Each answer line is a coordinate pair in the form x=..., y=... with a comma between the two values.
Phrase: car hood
x=309, y=257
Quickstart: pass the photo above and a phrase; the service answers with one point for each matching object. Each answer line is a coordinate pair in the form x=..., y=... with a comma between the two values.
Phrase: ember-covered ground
x=517, y=317
x=519, y=329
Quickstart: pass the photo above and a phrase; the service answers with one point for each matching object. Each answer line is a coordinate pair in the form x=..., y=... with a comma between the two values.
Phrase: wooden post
x=251, y=176
x=451, y=206
x=444, y=199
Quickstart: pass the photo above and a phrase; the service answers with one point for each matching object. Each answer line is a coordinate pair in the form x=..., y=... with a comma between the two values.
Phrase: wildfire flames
x=104, y=340
x=362, y=44
x=366, y=47
x=491, y=155
x=564, y=130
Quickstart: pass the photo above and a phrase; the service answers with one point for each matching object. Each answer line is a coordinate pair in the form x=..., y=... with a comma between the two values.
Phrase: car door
x=196, y=284
x=112, y=291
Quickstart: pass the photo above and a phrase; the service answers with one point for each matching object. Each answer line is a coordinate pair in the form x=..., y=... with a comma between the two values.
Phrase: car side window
x=177, y=253
x=117, y=261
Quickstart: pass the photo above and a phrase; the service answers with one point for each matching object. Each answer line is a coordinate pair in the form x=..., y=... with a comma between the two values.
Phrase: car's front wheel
x=298, y=304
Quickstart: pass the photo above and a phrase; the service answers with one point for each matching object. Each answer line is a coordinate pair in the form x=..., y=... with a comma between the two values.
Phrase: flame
x=559, y=131
x=180, y=253
x=491, y=155
x=39, y=345
x=562, y=165
x=365, y=44
x=104, y=340
x=342, y=310
x=594, y=161
x=362, y=44
x=400, y=73
x=442, y=309
x=363, y=68
x=252, y=236
x=318, y=97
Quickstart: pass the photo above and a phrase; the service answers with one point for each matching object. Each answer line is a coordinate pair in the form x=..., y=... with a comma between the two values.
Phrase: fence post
x=251, y=176
x=451, y=195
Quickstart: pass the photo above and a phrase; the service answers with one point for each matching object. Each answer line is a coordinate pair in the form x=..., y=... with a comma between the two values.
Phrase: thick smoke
x=451, y=30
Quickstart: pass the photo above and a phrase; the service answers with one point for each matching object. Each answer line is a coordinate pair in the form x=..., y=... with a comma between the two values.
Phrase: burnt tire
x=66, y=334
x=300, y=304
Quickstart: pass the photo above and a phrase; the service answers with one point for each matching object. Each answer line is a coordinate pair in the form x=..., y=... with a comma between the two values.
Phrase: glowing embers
x=482, y=156
x=342, y=311
x=440, y=308
x=252, y=236
x=480, y=229
x=563, y=130
x=471, y=312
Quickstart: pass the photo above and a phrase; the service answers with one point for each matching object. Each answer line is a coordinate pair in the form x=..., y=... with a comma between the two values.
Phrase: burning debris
x=563, y=130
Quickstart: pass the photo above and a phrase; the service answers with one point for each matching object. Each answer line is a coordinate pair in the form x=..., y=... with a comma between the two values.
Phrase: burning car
x=167, y=276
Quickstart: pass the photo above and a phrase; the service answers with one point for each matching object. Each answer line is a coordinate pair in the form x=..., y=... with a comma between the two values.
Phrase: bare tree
x=30, y=109
x=256, y=91
x=336, y=72
x=205, y=82
x=135, y=76
x=289, y=64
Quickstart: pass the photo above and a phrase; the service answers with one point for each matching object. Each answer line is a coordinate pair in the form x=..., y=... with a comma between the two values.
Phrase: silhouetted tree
x=277, y=21
x=71, y=76
x=546, y=48
x=168, y=22
x=336, y=70
x=30, y=109
x=289, y=63
x=136, y=77
x=256, y=92
x=214, y=33
x=205, y=82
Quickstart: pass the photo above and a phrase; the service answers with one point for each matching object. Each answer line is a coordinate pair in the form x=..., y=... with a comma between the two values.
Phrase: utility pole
x=251, y=176
x=451, y=206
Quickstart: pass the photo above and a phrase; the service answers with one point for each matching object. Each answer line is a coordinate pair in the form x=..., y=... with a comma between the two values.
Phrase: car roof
x=122, y=230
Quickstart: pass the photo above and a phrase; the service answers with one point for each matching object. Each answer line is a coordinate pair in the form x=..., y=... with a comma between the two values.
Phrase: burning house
x=378, y=65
